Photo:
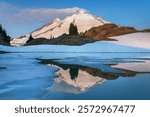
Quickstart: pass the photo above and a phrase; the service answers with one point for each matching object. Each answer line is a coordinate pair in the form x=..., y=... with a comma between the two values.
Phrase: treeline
x=4, y=38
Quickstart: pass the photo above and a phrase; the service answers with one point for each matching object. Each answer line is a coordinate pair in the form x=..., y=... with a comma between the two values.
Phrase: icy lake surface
x=93, y=76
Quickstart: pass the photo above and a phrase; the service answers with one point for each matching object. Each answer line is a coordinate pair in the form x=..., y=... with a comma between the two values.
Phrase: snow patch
x=140, y=40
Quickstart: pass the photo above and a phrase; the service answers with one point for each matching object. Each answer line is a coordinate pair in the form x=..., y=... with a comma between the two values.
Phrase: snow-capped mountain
x=83, y=82
x=82, y=19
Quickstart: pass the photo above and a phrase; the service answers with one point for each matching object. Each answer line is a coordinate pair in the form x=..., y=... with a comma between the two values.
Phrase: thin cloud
x=15, y=17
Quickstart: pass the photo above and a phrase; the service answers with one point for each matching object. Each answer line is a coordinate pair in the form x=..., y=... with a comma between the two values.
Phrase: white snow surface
x=140, y=40
x=19, y=41
x=82, y=19
x=89, y=48
x=137, y=67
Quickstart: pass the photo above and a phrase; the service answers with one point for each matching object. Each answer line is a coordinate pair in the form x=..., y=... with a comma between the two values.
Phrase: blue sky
x=19, y=20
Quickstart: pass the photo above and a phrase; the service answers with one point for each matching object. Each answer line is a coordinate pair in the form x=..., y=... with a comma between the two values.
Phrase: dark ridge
x=93, y=71
x=62, y=40
x=3, y=52
x=145, y=30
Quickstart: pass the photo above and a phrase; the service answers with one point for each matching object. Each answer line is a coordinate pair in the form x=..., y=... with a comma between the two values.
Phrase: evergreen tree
x=73, y=30
x=30, y=39
x=4, y=35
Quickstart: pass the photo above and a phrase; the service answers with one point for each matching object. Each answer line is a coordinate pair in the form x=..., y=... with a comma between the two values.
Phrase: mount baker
x=90, y=28
x=81, y=18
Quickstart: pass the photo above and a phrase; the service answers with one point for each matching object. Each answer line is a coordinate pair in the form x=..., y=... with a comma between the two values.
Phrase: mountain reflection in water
x=77, y=76
x=74, y=78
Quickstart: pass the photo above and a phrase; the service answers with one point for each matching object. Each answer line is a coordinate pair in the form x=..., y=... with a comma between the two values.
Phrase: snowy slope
x=81, y=18
x=140, y=40
x=83, y=82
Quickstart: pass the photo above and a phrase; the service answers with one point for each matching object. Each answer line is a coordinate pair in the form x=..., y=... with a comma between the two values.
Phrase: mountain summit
x=81, y=18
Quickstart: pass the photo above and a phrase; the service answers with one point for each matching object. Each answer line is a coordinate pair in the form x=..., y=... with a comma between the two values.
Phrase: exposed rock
x=108, y=30
x=145, y=30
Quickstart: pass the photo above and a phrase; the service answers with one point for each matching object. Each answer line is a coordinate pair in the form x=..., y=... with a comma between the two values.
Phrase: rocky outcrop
x=62, y=40
x=108, y=30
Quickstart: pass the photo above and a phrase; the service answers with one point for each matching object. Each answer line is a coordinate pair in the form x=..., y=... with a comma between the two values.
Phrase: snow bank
x=140, y=40
x=19, y=42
